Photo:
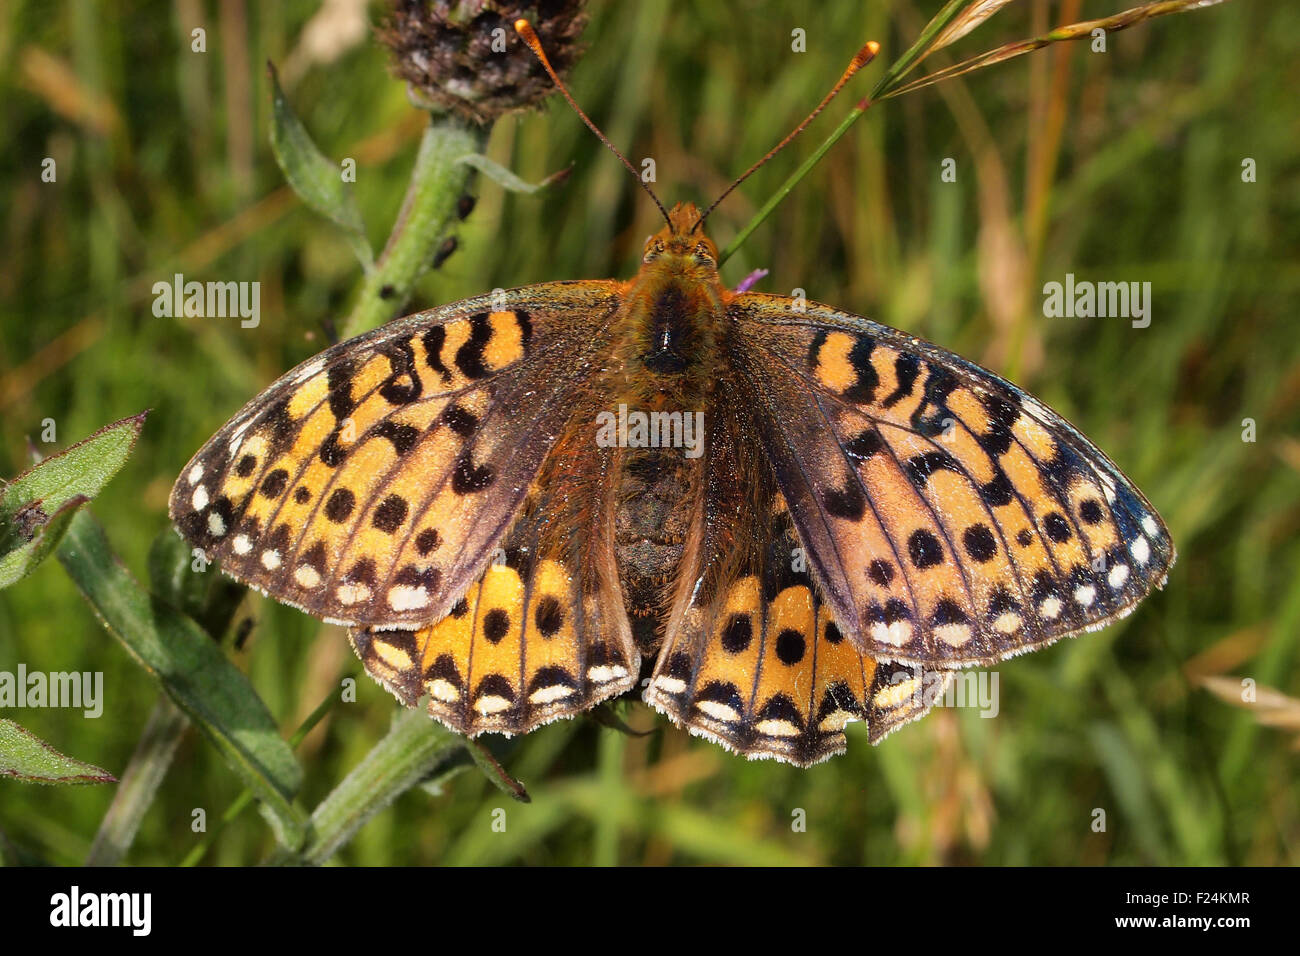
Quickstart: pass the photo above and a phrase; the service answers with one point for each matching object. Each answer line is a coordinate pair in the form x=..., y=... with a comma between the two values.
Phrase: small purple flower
x=751, y=280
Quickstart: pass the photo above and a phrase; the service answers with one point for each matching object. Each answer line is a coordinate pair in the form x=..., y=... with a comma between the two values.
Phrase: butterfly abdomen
x=652, y=519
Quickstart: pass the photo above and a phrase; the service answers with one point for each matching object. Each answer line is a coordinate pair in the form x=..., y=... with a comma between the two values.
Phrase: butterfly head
x=681, y=247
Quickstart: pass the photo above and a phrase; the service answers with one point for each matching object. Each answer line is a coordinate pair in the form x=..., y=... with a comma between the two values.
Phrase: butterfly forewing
x=369, y=485
x=951, y=518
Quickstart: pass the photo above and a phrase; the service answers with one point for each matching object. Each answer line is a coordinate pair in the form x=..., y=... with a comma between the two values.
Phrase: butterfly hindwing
x=543, y=633
x=752, y=656
x=369, y=485
x=951, y=518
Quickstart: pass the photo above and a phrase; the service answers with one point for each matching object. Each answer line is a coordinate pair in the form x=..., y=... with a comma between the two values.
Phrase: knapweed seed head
x=464, y=57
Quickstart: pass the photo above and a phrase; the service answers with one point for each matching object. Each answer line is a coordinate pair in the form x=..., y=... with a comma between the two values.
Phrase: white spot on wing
x=954, y=635
x=1007, y=622
x=352, y=593
x=444, y=690
x=491, y=704
x=777, y=728
x=670, y=685
x=548, y=695
x=603, y=673
x=717, y=710
x=403, y=597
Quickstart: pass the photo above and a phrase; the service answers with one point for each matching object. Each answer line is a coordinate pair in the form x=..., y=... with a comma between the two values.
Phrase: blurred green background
x=1123, y=165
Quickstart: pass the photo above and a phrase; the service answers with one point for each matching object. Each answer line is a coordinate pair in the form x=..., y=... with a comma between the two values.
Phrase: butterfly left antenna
x=529, y=36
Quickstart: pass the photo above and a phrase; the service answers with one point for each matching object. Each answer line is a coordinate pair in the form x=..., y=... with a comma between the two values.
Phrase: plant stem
x=149, y=764
x=437, y=183
x=413, y=748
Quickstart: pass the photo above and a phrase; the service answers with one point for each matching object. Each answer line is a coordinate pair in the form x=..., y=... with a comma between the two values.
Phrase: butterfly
x=503, y=501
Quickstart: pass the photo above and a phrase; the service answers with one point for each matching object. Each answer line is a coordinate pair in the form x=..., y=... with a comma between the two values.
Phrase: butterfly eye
x=703, y=254
x=653, y=250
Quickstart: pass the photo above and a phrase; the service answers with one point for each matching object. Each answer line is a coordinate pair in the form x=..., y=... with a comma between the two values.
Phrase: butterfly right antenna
x=860, y=59
x=529, y=36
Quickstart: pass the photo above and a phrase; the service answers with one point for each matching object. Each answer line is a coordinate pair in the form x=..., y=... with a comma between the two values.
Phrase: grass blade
x=1073, y=31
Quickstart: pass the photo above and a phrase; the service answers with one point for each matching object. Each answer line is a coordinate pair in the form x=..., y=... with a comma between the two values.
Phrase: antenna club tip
x=865, y=55
x=523, y=28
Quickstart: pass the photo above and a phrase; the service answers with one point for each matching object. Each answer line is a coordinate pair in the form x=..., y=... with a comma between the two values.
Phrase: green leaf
x=36, y=507
x=193, y=671
x=23, y=559
x=496, y=773
x=25, y=756
x=172, y=577
x=317, y=181
x=507, y=180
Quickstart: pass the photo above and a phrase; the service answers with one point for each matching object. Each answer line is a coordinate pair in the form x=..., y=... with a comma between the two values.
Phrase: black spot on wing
x=921, y=467
x=402, y=436
x=469, y=357
x=847, y=501
x=434, y=339
x=924, y=549
x=403, y=383
x=863, y=390
x=864, y=444
x=468, y=478
x=931, y=415
x=549, y=616
x=906, y=368
x=1002, y=415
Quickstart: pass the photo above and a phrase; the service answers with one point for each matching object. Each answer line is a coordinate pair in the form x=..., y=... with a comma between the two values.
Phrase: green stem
x=437, y=183
x=149, y=764
x=414, y=748
x=608, y=821
x=788, y=186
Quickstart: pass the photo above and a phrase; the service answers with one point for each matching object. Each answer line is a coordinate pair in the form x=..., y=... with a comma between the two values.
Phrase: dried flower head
x=464, y=57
